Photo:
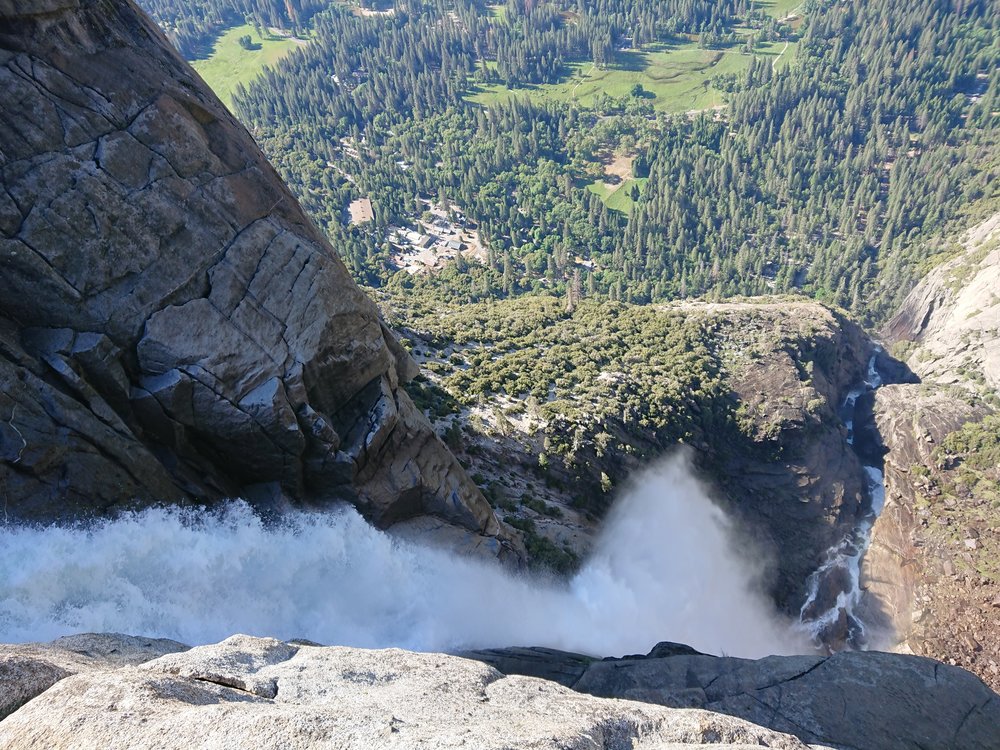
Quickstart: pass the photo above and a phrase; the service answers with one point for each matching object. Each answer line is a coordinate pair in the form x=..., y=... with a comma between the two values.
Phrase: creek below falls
x=829, y=614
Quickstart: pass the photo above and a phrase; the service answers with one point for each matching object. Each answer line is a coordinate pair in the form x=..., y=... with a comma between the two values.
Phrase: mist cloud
x=667, y=566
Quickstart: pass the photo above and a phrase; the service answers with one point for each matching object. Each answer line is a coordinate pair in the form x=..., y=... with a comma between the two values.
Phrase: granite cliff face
x=950, y=321
x=790, y=365
x=932, y=563
x=172, y=326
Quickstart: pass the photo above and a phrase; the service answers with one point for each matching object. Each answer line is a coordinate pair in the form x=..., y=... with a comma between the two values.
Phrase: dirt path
x=584, y=80
x=793, y=13
x=696, y=112
x=774, y=62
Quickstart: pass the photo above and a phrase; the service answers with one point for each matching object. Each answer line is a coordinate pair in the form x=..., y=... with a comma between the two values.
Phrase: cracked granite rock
x=856, y=700
x=122, y=692
x=172, y=326
x=28, y=670
x=264, y=693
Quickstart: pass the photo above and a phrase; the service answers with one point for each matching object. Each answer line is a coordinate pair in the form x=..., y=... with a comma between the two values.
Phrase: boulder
x=29, y=670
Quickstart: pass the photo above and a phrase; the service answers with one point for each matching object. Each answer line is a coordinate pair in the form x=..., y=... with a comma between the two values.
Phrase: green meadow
x=618, y=197
x=230, y=64
x=780, y=8
x=676, y=78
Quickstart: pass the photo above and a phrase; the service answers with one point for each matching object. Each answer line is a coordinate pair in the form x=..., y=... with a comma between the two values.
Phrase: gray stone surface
x=953, y=315
x=172, y=326
x=857, y=700
x=27, y=670
x=259, y=692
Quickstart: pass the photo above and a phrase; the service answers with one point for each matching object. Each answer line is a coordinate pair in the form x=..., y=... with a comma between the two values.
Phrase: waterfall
x=829, y=614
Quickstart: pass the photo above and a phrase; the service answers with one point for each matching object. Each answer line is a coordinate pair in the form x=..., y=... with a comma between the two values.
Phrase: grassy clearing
x=676, y=78
x=230, y=64
x=780, y=8
x=781, y=54
x=618, y=197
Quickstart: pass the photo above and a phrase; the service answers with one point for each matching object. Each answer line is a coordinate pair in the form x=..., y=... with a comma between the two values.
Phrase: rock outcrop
x=259, y=692
x=852, y=699
x=31, y=669
x=931, y=569
x=790, y=364
x=912, y=420
x=950, y=322
x=769, y=440
x=172, y=327
x=126, y=692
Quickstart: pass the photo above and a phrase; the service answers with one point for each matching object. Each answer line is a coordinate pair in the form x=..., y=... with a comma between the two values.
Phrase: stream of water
x=829, y=615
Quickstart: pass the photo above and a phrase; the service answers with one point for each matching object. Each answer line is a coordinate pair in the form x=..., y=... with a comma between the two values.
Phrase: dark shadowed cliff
x=172, y=326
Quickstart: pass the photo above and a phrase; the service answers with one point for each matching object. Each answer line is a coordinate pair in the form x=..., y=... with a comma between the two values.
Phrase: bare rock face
x=797, y=480
x=260, y=692
x=951, y=320
x=172, y=326
x=927, y=589
x=912, y=421
x=29, y=670
x=863, y=701
x=928, y=570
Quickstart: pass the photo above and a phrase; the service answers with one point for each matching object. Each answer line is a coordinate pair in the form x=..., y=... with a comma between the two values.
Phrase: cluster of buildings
x=435, y=239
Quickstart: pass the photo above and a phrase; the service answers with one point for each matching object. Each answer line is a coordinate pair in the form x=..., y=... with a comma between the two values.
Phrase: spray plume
x=665, y=567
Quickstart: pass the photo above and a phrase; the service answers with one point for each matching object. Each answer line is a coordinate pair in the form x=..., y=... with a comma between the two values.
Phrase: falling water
x=667, y=566
x=834, y=588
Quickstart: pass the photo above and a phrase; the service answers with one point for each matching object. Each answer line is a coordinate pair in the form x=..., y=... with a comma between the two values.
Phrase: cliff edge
x=172, y=326
x=113, y=691
x=934, y=561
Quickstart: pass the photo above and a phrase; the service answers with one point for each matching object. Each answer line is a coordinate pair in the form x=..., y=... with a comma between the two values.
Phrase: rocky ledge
x=172, y=326
x=933, y=570
x=112, y=691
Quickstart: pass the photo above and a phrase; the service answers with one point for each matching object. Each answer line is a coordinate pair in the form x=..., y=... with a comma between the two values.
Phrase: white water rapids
x=667, y=566
x=838, y=626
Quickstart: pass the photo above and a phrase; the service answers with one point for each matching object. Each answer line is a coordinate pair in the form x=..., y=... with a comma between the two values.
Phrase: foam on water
x=666, y=567
x=842, y=562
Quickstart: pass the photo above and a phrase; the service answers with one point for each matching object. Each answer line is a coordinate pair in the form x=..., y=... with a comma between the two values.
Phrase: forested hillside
x=825, y=175
x=552, y=411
